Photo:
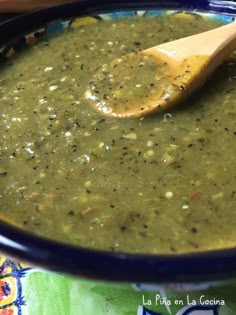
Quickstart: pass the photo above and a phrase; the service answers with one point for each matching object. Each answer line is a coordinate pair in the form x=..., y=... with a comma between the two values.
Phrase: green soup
x=160, y=184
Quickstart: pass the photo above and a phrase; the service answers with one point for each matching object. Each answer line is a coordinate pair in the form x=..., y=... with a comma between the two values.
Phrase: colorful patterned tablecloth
x=32, y=291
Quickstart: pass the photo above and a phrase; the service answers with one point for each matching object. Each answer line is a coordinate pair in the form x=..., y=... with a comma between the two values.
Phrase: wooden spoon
x=170, y=72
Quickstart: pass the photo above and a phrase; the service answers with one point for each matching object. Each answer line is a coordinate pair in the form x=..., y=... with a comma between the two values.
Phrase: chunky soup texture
x=159, y=184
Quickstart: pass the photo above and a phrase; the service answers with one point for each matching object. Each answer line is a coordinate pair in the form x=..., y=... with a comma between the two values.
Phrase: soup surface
x=160, y=184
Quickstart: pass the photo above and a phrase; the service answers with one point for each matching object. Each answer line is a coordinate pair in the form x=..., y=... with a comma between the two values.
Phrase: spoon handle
x=223, y=40
x=217, y=43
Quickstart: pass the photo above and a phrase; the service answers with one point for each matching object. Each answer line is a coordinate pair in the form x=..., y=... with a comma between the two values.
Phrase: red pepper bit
x=31, y=40
x=195, y=195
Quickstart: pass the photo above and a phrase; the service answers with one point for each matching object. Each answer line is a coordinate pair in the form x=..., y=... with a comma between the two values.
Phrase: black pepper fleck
x=3, y=174
x=194, y=230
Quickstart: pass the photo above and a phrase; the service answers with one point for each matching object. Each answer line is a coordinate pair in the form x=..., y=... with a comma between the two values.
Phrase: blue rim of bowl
x=104, y=265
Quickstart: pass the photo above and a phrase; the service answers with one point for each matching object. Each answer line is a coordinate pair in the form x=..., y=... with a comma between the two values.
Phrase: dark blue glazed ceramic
x=205, y=266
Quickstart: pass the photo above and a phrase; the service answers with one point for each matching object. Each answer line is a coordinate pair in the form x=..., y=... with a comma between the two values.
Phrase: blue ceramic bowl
x=203, y=266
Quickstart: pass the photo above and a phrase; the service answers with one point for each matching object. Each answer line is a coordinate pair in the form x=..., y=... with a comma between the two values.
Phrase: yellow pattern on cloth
x=11, y=299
